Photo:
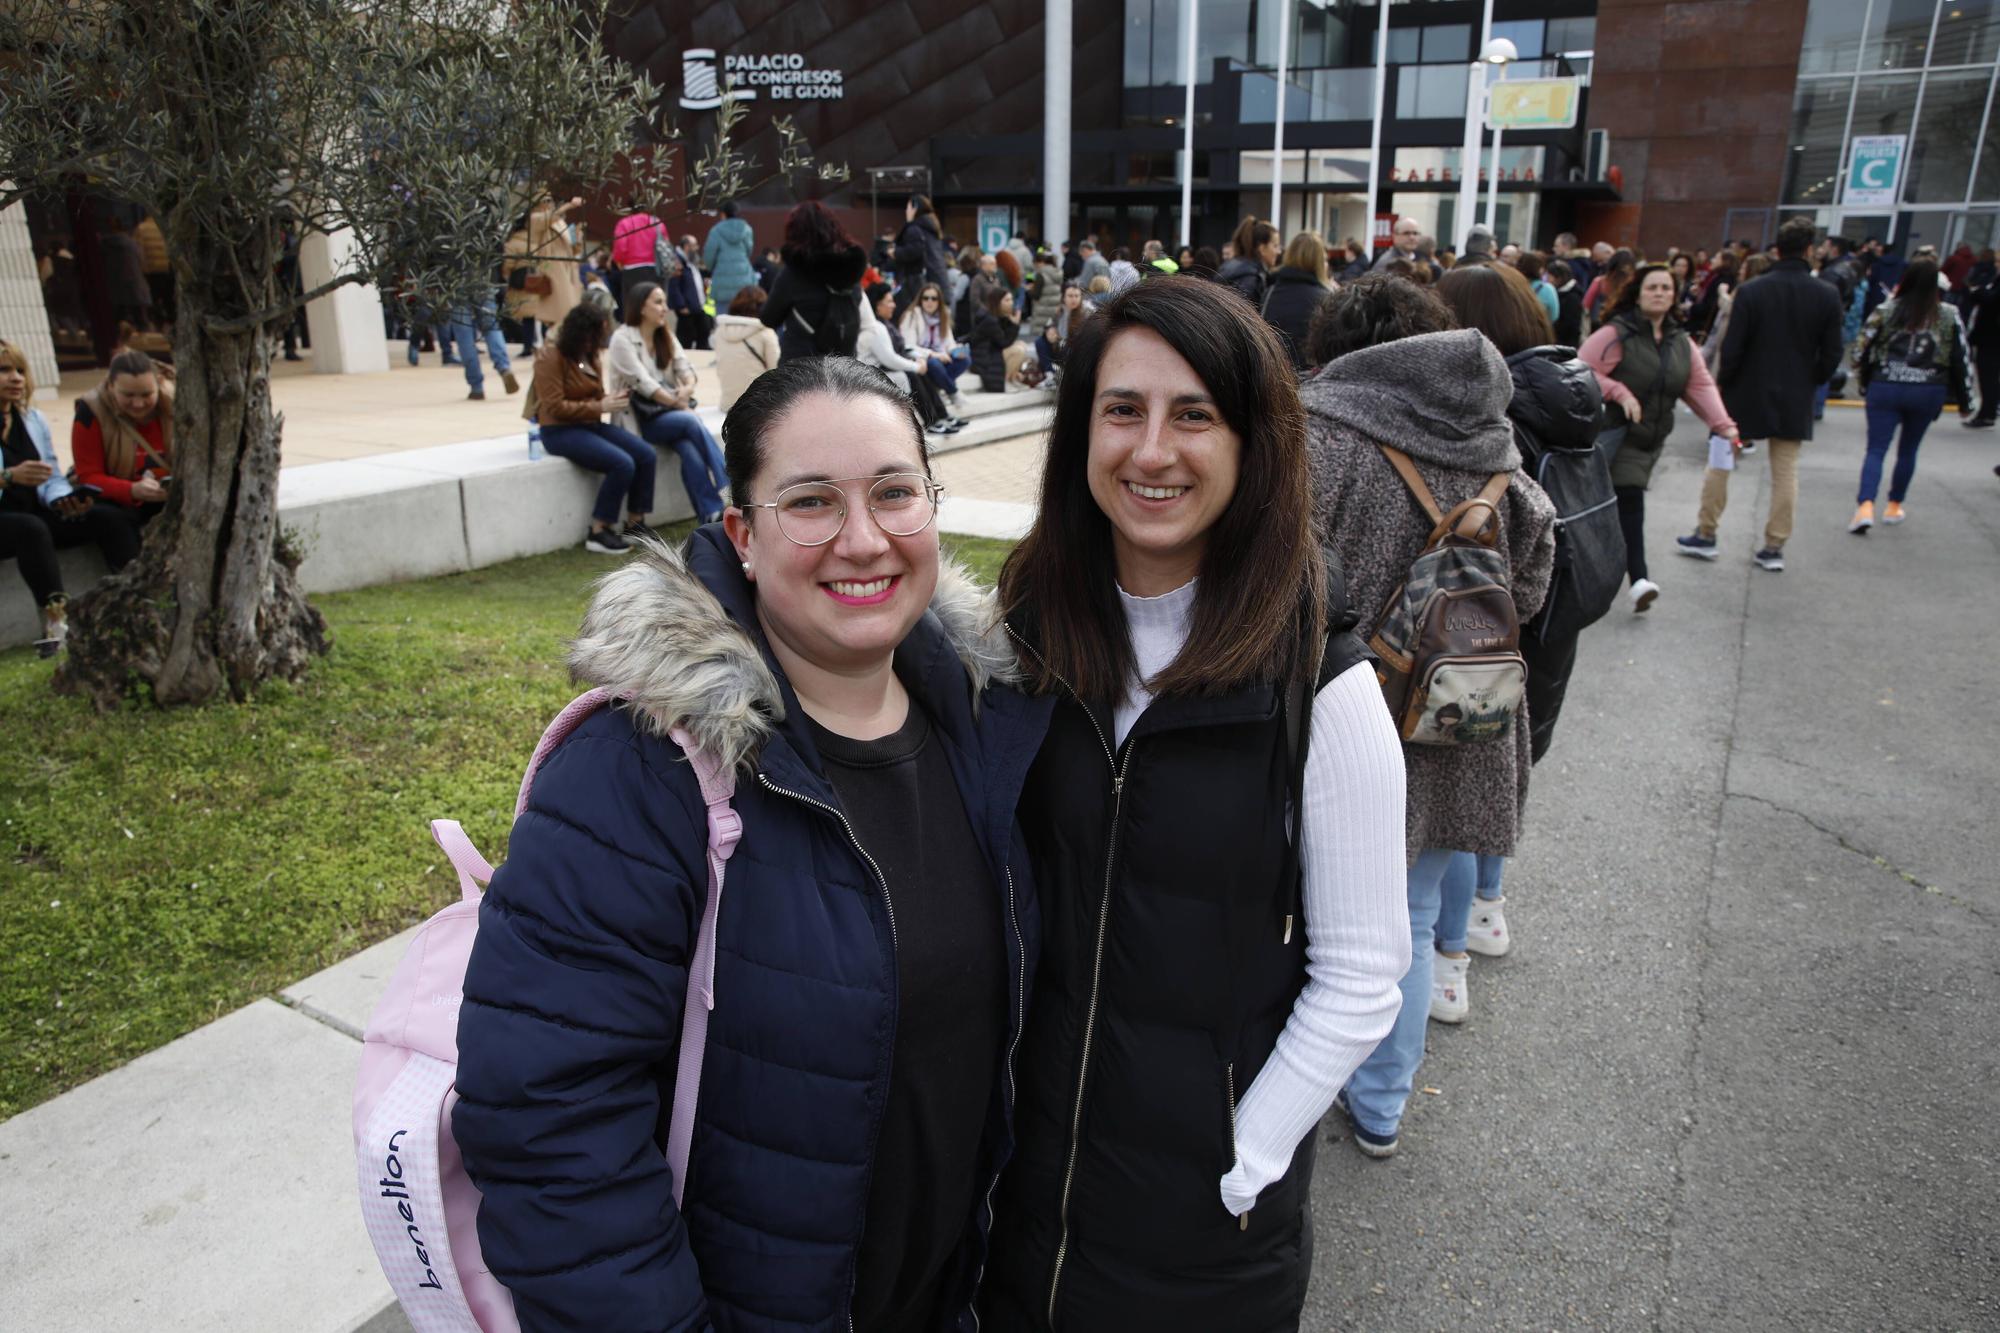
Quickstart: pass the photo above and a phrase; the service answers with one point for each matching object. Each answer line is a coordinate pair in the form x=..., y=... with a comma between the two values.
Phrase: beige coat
x=555, y=259
x=744, y=349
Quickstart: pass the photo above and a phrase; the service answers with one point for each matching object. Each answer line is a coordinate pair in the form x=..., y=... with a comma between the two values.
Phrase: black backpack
x=840, y=328
x=1590, y=545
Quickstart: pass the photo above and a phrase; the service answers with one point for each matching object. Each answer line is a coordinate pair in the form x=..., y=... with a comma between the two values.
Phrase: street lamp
x=1499, y=53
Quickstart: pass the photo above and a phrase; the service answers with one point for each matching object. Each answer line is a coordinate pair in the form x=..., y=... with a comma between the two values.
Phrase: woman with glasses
x=875, y=950
x=926, y=327
x=1216, y=821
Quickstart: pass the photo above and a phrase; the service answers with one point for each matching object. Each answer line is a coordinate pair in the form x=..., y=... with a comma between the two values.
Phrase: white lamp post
x=1499, y=53
x=1278, y=137
x=1468, y=159
x=1187, y=133
x=1375, y=130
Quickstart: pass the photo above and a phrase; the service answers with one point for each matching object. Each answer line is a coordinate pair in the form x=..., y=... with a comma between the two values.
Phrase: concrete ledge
x=456, y=507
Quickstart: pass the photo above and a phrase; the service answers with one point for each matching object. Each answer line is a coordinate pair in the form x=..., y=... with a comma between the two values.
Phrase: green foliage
x=159, y=869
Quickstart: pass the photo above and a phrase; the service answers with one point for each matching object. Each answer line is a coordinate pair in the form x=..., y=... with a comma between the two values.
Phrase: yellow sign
x=1533, y=104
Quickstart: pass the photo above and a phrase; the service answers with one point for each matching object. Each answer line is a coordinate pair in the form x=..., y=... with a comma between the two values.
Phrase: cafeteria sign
x=1533, y=104
x=1874, y=169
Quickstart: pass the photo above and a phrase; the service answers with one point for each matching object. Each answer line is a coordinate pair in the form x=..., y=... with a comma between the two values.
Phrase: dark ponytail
x=775, y=392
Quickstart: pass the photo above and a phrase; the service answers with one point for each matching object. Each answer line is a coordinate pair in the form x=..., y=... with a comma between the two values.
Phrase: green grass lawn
x=164, y=868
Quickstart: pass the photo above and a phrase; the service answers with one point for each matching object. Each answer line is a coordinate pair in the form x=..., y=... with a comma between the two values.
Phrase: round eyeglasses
x=812, y=513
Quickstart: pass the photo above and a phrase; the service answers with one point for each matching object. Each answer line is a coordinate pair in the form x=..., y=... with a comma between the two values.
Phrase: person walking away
x=882, y=346
x=1094, y=264
x=726, y=254
x=823, y=264
x=634, y=246
x=996, y=348
x=1645, y=363
x=468, y=328
x=1257, y=251
x=1297, y=290
x=1212, y=970
x=1569, y=304
x=744, y=348
x=920, y=253
x=121, y=442
x=547, y=242
x=1556, y=411
x=1782, y=344
x=873, y=956
x=1397, y=375
x=1534, y=268
x=1402, y=243
x=650, y=371
x=927, y=328
x=687, y=296
x=569, y=400
x=1911, y=360
x=41, y=512
x=1982, y=308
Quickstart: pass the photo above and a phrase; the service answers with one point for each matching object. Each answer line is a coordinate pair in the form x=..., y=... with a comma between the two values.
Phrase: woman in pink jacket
x=1645, y=363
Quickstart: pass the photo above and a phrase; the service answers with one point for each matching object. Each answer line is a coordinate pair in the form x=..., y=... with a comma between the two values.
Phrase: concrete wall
x=1697, y=96
x=23, y=319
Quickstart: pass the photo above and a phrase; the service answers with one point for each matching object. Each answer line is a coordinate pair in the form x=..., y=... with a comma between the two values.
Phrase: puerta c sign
x=784, y=77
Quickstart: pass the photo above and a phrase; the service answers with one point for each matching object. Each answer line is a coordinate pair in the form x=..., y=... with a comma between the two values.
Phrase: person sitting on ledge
x=122, y=442
x=569, y=401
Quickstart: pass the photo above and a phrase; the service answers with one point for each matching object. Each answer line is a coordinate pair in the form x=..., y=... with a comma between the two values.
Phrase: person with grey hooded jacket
x=1399, y=372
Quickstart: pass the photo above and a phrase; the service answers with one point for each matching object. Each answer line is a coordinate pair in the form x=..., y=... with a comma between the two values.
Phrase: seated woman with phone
x=650, y=369
x=122, y=444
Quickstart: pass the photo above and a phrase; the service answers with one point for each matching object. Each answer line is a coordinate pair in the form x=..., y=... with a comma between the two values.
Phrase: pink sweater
x=632, y=240
x=1602, y=351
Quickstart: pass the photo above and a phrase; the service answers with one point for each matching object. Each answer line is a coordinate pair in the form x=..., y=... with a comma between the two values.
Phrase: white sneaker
x=1487, y=933
x=1449, y=1002
x=1644, y=593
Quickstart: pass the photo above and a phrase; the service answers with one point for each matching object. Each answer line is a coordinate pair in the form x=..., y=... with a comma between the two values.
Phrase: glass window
x=1311, y=95
x=1898, y=34
x=1430, y=92
x=1941, y=153
x=1833, y=37
x=1224, y=34
x=1154, y=54
x=1402, y=45
x=1138, y=43
x=1526, y=37
x=1986, y=185
x=1885, y=104
x=1968, y=33
x=1170, y=46
x=1447, y=42
x=1819, y=115
x=1570, y=35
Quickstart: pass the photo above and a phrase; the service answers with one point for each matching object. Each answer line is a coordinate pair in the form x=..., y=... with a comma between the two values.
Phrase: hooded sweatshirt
x=744, y=349
x=1442, y=399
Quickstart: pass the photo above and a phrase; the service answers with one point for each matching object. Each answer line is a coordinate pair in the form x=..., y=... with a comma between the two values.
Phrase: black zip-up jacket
x=1165, y=878
x=1293, y=298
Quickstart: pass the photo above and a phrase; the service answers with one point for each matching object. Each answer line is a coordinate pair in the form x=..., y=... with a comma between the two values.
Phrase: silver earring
x=746, y=566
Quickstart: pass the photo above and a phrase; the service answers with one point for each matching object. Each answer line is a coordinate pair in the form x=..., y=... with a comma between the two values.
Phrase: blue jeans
x=1913, y=407
x=702, y=470
x=467, y=329
x=627, y=462
x=945, y=374
x=1380, y=1089
x=1469, y=871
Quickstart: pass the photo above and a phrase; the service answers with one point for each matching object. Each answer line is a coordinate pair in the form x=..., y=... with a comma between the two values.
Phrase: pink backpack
x=416, y=1199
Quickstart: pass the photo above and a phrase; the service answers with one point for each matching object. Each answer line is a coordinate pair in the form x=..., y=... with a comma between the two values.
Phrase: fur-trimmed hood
x=685, y=652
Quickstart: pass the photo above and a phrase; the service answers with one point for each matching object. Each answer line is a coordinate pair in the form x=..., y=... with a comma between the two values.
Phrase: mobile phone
x=85, y=489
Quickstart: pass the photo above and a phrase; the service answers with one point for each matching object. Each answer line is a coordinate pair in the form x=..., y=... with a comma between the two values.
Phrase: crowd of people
x=1096, y=893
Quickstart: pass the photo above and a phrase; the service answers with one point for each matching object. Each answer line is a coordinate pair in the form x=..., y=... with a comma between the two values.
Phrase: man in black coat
x=1784, y=341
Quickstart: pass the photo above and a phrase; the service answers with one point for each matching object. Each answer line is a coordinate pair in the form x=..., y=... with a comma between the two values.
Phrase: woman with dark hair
x=1207, y=263
x=1568, y=319
x=874, y=953
x=1720, y=281
x=1213, y=969
x=1534, y=268
x=823, y=264
x=1053, y=342
x=1911, y=360
x=1681, y=265
x=1258, y=247
x=927, y=328
x=569, y=401
x=997, y=352
x=1645, y=363
x=920, y=253
x=882, y=347
x=1403, y=394
x=744, y=348
x=1556, y=412
x=1604, y=289
x=648, y=368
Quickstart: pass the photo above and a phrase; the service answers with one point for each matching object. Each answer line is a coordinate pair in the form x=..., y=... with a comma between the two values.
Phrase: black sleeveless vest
x=1170, y=964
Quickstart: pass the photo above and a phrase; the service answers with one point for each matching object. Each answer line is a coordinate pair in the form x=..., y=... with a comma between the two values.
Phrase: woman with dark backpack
x=1212, y=970
x=815, y=304
x=1911, y=360
x=920, y=254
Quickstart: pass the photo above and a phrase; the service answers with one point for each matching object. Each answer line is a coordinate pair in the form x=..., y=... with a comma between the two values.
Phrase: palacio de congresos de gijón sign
x=785, y=77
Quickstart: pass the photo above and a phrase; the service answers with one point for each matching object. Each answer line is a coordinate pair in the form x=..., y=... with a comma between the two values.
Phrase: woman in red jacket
x=122, y=441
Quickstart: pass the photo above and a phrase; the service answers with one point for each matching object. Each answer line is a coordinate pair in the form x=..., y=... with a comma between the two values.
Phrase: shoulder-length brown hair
x=1259, y=611
x=1499, y=303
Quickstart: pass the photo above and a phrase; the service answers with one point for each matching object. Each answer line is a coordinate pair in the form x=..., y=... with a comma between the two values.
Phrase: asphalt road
x=1739, y=1071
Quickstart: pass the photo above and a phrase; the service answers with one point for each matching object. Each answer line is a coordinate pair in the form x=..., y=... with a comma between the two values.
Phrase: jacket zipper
x=894, y=948
x=1229, y=1088
x=1013, y=1043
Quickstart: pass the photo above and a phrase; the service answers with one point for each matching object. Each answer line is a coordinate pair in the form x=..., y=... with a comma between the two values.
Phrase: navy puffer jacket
x=569, y=1033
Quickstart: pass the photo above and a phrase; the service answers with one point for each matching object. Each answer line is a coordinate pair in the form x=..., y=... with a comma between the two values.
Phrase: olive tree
x=418, y=129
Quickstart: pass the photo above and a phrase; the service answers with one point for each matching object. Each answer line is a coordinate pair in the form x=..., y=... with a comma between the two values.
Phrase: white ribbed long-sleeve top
x=1357, y=921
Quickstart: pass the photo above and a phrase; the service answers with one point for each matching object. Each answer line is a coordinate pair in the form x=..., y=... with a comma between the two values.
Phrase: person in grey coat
x=726, y=255
x=1398, y=372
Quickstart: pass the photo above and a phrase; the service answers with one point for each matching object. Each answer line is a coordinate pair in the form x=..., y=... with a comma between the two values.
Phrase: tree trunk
x=213, y=602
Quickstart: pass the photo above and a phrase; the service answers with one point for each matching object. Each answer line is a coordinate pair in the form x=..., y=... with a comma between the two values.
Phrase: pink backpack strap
x=725, y=826
x=572, y=716
x=473, y=869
